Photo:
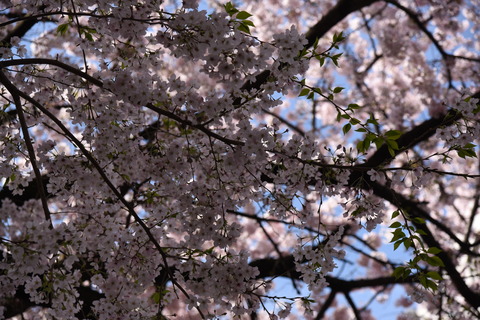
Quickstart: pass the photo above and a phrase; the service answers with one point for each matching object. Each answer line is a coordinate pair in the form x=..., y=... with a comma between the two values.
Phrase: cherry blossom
x=182, y=159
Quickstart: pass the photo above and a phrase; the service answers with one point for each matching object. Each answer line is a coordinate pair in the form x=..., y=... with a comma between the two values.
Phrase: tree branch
x=414, y=210
x=28, y=142
x=326, y=305
x=341, y=10
x=350, y=301
x=19, y=31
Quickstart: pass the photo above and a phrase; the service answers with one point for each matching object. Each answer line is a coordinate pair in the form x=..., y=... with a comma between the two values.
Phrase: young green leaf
x=346, y=128
x=242, y=15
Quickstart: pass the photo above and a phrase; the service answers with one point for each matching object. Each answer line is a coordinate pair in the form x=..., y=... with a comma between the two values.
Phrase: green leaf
x=407, y=243
x=434, y=261
x=397, y=234
x=372, y=120
x=398, y=272
x=62, y=29
x=346, y=128
x=244, y=28
x=338, y=89
x=470, y=153
x=88, y=36
x=432, y=285
x=423, y=280
x=156, y=297
x=361, y=130
x=304, y=52
x=322, y=61
x=242, y=15
x=378, y=142
x=335, y=59
x=393, y=134
x=418, y=220
x=392, y=144
x=434, y=250
x=416, y=238
x=391, y=151
x=230, y=8
x=397, y=244
x=353, y=106
x=395, y=214
x=421, y=232
x=304, y=92
x=354, y=121
x=469, y=145
x=396, y=224
x=248, y=23
x=338, y=37
x=434, y=275
x=361, y=146
x=367, y=142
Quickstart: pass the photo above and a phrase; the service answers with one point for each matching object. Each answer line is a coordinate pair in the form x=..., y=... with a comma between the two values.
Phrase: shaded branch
x=31, y=191
x=193, y=125
x=341, y=10
x=53, y=62
x=21, y=302
x=350, y=301
x=326, y=305
x=279, y=267
x=285, y=121
x=408, y=140
x=414, y=17
x=28, y=142
x=19, y=31
x=341, y=241
x=414, y=210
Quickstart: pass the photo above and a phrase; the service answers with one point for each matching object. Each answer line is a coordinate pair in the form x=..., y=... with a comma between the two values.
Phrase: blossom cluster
x=314, y=262
x=154, y=129
x=466, y=130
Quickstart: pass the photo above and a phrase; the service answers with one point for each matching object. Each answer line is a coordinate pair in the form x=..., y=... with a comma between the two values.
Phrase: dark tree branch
x=326, y=305
x=350, y=301
x=341, y=10
x=28, y=142
x=414, y=210
x=474, y=211
x=21, y=302
x=19, y=31
x=31, y=191
x=193, y=125
x=277, y=249
x=286, y=122
x=18, y=304
x=414, y=17
x=341, y=241
x=279, y=267
x=408, y=140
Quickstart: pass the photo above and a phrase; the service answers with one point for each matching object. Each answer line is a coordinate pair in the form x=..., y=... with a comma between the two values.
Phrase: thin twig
x=193, y=125
x=31, y=152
